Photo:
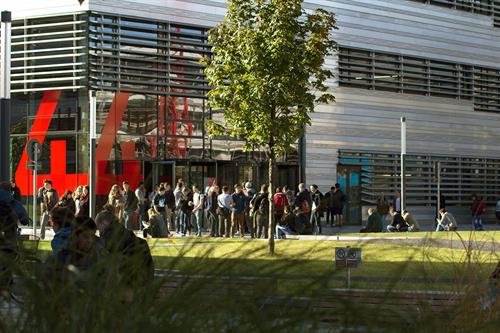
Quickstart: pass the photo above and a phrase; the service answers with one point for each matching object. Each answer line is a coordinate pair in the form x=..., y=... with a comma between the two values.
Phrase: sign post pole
x=35, y=176
x=347, y=257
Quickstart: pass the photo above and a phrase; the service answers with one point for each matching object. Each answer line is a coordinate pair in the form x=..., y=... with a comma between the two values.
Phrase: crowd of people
x=223, y=211
x=220, y=211
x=237, y=211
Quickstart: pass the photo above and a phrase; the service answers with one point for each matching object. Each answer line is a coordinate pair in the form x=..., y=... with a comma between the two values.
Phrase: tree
x=267, y=73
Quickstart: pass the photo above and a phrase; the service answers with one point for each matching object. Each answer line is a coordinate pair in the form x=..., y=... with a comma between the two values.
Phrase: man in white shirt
x=140, y=193
x=198, y=201
x=224, y=202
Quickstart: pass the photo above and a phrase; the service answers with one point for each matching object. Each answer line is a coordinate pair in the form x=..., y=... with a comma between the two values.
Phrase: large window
x=145, y=56
x=375, y=70
x=460, y=177
x=483, y=7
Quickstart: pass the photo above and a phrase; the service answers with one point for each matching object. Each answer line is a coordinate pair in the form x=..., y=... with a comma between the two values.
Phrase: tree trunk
x=271, y=205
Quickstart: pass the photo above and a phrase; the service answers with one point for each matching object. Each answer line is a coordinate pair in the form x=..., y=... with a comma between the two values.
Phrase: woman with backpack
x=280, y=202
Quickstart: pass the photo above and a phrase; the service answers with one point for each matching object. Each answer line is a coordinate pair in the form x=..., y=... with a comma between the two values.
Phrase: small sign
x=347, y=257
x=34, y=149
x=31, y=166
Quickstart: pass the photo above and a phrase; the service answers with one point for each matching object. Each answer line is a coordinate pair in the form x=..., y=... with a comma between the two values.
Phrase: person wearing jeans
x=48, y=198
x=185, y=209
x=198, y=202
x=238, y=211
x=211, y=205
x=130, y=206
x=224, y=202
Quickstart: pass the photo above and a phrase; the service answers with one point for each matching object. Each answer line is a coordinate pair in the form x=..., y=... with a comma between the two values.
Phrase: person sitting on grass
x=398, y=223
x=128, y=252
x=374, y=223
x=285, y=224
x=62, y=219
x=447, y=221
x=156, y=226
x=84, y=249
x=411, y=221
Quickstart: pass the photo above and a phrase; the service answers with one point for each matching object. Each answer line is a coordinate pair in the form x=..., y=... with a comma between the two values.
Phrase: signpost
x=34, y=152
x=347, y=257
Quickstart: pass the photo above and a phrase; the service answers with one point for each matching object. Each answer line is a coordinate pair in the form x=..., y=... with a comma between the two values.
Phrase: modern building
x=436, y=63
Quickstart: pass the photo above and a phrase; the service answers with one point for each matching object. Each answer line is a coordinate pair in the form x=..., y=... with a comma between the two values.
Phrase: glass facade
x=151, y=105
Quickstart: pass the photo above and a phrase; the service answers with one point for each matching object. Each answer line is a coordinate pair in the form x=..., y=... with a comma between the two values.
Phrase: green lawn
x=311, y=262
x=485, y=236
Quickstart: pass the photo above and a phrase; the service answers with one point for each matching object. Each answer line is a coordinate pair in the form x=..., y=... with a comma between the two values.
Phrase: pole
x=35, y=175
x=6, y=20
x=403, y=153
x=438, y=187
x=92, y=148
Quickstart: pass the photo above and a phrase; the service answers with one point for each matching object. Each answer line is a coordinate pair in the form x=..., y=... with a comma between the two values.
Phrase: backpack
x=323, y=203
x=481, y=208
x=264, y=204
x=281, y=202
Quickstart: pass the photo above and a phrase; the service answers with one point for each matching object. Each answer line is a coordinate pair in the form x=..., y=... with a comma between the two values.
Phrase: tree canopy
x=267, y=71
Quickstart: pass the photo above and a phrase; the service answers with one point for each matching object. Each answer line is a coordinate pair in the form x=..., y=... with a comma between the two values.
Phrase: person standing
x=249, y=192
x=280, y=202
x=382, y=207
x=238, y=203
x=290, y=196
x=177, y=197
x=170, y=206
x=140, y=194
x=478, y=208
x=261, y=211
x=160, y=203
x=185, y=208
x=14, y=189
x=130, y=205
x=198, y=203
x=338, y=202
x=224, y=202
x=83, y=209
x=115, y=202
x=317, y=198
x=67, y=202
x=48, y=200
x=211, y=207
x=330, y=212
x=396, y=202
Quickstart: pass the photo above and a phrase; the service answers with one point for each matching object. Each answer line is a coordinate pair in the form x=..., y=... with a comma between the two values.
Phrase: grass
x=483, y=236
x=299, y=268
x=297, y=262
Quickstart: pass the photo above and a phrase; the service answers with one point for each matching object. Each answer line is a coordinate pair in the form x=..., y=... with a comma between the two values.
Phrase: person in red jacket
x=478, y=208
x=280, y=202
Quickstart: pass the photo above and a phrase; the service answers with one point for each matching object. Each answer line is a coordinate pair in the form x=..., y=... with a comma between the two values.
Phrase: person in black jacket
x=67, y=201
x=317, y=198
x=16, y=192
x=260, y=208
x=131, y=205
x=130, y=260
x=398, y=223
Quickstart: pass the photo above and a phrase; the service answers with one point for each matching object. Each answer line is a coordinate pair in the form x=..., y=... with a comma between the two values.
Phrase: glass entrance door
x=349, y=178
x=164, y=172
